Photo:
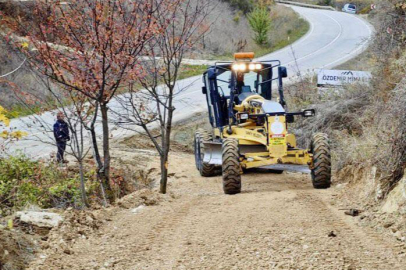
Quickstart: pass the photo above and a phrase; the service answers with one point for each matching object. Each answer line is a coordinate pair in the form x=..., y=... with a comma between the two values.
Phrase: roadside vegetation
x=366, y=123
x=25, y=183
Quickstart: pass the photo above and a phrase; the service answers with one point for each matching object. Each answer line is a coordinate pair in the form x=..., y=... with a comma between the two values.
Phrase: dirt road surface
x=278, y=222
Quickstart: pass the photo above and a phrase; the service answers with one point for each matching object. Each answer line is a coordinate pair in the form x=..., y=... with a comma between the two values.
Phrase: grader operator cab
x=250, y=126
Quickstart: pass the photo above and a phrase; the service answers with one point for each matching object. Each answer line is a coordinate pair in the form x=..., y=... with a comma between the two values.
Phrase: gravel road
x=278, y=222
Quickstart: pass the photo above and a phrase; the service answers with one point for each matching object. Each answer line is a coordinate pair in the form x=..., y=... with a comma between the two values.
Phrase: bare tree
x=153, y=108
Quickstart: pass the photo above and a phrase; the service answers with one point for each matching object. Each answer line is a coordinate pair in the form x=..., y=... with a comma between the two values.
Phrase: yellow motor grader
x=250, y=126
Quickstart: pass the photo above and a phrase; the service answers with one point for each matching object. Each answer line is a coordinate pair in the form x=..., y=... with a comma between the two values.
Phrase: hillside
x=230, y=31
x=366, y=126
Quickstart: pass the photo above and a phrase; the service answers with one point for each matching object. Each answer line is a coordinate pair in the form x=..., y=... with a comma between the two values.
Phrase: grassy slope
x=287, y=27
x=190, y=71
x=292, y=35
x=364, y=61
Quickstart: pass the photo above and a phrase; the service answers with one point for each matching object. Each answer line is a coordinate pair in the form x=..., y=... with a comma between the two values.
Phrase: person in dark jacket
x=61, y=134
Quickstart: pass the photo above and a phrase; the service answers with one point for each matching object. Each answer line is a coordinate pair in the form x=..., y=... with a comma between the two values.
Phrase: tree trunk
x=166, y=144
x=106, y=146
x=96, y=149
x=82, y=184
x=164, y=172
x=100, y=172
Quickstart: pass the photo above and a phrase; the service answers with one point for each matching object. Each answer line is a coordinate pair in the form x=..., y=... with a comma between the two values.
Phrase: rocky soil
x=16, y=249
x=278, y=222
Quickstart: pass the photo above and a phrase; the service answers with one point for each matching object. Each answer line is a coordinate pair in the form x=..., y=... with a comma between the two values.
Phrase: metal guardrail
x=304, y=5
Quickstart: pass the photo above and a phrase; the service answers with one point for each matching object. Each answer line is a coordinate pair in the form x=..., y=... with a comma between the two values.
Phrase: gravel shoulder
x=278, y=222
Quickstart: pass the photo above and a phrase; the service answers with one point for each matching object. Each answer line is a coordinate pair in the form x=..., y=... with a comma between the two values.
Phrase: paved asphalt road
x=333, y=38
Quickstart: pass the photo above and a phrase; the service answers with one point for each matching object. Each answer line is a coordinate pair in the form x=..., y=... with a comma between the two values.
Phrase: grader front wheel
x=205, y=169
x=231, y=168
x=321, y=173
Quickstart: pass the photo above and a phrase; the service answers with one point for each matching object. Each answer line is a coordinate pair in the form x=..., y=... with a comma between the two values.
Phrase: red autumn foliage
x=91, y=48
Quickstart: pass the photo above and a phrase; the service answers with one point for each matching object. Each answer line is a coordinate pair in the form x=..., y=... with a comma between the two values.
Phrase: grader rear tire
x=321, y=173
x=206, y=170
x=231, y=168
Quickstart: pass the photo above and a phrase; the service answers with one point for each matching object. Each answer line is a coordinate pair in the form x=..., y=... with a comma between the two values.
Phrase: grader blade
x=289, y=168
x=212, y=153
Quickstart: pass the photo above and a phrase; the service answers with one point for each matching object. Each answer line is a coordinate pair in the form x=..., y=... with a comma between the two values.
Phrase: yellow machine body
x=250, y=126
x=279, y=147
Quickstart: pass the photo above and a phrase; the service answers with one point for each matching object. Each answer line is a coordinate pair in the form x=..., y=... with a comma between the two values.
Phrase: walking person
x=61, y=134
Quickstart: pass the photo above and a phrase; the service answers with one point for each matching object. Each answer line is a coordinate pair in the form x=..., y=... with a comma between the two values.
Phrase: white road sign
x=342, y=77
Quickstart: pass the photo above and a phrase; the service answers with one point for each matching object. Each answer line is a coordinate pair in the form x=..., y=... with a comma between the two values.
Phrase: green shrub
x=260, y=22
x=26, y=182
x=66, y=193
x=15, y=172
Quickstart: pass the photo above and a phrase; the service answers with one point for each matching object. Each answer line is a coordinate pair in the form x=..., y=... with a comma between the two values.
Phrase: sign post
x=342, y=77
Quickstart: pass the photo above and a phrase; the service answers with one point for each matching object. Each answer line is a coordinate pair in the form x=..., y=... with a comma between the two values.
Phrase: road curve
x=334, y=37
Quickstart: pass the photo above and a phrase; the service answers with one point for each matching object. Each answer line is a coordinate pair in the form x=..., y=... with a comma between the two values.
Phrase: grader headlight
x=243, y=67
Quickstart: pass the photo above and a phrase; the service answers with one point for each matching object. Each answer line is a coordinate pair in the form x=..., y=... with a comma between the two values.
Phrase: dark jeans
x=61, y=151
